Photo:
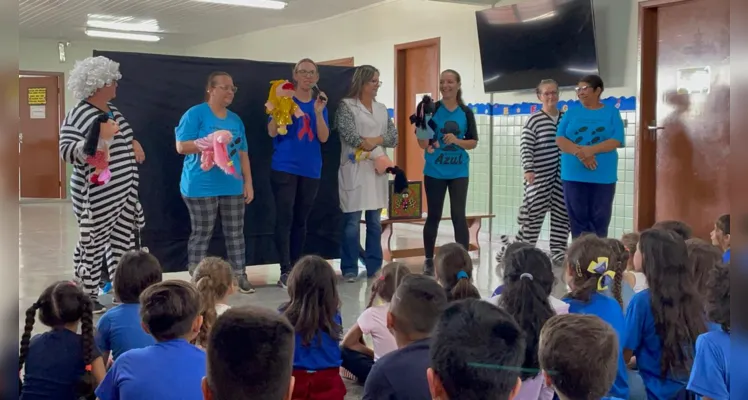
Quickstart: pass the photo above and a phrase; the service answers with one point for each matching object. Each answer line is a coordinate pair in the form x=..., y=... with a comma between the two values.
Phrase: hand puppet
x=214, y=152
x=425, y=127
x=280, y=105
x=382, y=165
x=96, y=148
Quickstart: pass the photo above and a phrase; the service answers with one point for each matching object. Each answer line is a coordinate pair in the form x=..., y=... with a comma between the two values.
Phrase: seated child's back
x=172, y=368
x=120, y=328
x=60, y=364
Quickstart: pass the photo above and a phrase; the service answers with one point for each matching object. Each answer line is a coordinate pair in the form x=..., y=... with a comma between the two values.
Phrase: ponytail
x=389, y=279
x=208, y=305
x=26, y=336
x=375, y=290
x=464, y=288
x=459, y=98
x=213, y=279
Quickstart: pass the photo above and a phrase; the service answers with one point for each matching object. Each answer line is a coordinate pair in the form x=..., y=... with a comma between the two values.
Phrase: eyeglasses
x=304, y=72
x=232, y=89
x=378, y=83
x=581, y=88
x=549, y=94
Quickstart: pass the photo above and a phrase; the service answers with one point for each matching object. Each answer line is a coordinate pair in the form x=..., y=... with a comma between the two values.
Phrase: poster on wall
x=37, y=96
x=38, y=112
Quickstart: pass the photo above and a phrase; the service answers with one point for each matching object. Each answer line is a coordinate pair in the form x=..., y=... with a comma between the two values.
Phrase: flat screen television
x=522, y=44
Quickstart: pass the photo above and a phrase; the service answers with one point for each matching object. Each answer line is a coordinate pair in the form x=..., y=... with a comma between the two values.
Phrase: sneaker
x=350, y=278
x=428, y=267
x=283, y=281
x=243, y=283
x=106, y=289
x=98, y=308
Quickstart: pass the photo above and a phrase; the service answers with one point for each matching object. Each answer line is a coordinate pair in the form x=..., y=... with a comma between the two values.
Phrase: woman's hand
x=449, y=138
x=320, y=104
x=589, y=163
x=530, y=178
x=139, y=153
x=584, y=152
x=370, y=143
x=249, y=193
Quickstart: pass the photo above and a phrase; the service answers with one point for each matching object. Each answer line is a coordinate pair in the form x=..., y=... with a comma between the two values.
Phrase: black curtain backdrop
x=154, y=92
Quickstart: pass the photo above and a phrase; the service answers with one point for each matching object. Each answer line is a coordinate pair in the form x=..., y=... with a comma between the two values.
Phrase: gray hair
x=92, y=74
x=545, y=82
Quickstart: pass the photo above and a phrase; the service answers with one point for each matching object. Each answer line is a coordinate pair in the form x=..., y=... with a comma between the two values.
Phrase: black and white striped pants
x=545, y=195
x=107, y=229
x=203, y=214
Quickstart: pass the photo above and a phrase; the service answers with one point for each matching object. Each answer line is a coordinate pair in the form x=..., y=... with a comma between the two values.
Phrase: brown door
x=416, y=73
x=39, y=159
x=684, y=140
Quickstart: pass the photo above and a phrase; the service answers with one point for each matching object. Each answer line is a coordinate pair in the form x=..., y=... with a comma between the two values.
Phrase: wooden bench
x=474, y=224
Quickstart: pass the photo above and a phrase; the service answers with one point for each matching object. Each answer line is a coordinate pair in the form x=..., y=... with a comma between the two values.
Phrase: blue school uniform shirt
x=643, y=340
x=199, y=122
x=54, y=366
x=610, y=311
x=710, y=373
x=167, y=370
x=298, y=152
x=119, y=330
x=323, y=352
x=726, y=257
x=401, y=374
x=587, y=127
x=450, y=161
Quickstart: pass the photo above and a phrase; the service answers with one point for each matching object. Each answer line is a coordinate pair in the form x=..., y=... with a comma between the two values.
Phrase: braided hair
x=63, y=303
x=389, y=279
x=618, y=265
x=214, y=279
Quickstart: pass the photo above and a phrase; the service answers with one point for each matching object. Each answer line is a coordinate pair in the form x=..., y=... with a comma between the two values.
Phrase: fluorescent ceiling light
x=128, y=24
x=540, y=17
x=122, y=35
x=271, y=4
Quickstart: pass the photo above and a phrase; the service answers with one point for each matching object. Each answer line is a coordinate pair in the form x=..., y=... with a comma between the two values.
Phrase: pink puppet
x=96, y=148
x=214, y=152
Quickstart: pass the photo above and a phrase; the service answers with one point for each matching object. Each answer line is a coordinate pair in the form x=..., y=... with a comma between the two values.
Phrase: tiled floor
x=48, y=235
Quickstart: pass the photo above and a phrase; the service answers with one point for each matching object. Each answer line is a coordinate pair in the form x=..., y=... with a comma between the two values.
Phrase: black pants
x=590, y=207
x=294, y=198
x=436, y=190
x=359, y=364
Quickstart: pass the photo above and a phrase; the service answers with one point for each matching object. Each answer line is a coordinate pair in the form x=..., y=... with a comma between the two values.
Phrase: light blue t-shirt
x=607, y=309
x=199, y=122
x=643, y=340
x=587, y=127
x=710, y=373
x=298, y=152
x=449, y=161
x=166, y=370
x=120, y=330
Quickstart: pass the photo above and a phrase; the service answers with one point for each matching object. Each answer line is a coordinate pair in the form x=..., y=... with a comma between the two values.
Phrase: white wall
x=42, y=55
x=370, y=35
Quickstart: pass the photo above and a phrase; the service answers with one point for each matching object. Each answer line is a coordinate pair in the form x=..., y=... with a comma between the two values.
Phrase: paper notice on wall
x=38, y=112
x=37, y=96
x=419, y=97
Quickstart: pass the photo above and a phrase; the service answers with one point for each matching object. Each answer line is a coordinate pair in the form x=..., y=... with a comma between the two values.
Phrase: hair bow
x=598, y=266
x=605, y=281
x=462, y=275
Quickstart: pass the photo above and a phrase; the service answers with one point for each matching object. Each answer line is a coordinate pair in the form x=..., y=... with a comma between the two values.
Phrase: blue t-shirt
x=610, y=311
x=298, y=152
x=643, y=340
x=199, y=122
x=119, y=330
x=166, y=370
x=726, y=256
x=587, y=127
x=323, y=352
x=449, y=161
x=710, y=373
x=401, y=374
x=54, y=366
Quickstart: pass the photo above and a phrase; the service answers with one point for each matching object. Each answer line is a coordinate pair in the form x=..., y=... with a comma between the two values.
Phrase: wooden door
x=39, y=159
x=684, y=139
x=416, y=73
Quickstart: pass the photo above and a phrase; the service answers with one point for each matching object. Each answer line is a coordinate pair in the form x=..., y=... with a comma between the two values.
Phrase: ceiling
x=184, y=22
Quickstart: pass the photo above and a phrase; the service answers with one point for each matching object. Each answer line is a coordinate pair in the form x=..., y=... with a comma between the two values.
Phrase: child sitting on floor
x=721, y=236
x=703, y=257
x=454, y=271
x=501, y=261
x=357, y=357
x=60, y=364
x=314, y=311
x=579, y=356
x=172, y=368
x=476, y=354
x=250, y=356
x=120, y=328
x=214, y=279
x=632, y=276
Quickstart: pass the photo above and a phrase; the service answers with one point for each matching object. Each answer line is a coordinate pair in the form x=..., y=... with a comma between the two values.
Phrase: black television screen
x=524, y=43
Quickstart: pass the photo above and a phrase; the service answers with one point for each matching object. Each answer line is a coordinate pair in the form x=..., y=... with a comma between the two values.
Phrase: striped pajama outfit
x=107, y=215
x=540, y=154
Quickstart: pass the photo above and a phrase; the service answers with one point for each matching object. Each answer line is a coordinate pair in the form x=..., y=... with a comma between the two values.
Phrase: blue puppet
x=425, y=128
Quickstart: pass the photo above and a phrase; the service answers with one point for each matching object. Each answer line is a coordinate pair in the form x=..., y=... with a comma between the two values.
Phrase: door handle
x=653, y=129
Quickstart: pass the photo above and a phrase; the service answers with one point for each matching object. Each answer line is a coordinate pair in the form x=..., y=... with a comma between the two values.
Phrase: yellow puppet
x=280, y=105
